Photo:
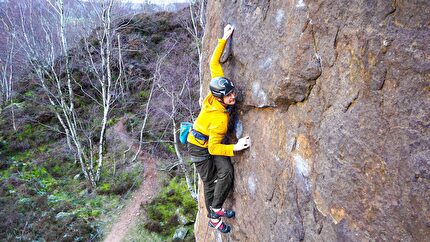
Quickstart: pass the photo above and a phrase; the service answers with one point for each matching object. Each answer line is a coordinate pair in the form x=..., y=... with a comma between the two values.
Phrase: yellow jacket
x=213, y=118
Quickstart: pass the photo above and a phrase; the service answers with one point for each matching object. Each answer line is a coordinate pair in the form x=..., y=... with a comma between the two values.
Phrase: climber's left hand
x=228, y=31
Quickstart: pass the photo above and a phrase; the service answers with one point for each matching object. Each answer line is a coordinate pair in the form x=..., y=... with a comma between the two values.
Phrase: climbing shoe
x=221, y=213
x=220, y=226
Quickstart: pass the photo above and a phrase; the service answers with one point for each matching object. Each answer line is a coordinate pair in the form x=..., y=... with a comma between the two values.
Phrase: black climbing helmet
x=221, y=86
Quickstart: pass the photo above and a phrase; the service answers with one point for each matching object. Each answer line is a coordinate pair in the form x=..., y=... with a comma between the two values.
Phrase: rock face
x=336, y=98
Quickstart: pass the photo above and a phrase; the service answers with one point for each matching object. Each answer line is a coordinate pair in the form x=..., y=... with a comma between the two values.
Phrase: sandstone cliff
x=336, y=98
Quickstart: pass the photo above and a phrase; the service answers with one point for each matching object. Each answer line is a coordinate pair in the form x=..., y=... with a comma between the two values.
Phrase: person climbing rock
x=210, y=155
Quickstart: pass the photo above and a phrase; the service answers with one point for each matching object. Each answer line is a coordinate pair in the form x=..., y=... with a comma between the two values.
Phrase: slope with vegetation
x=43, y=193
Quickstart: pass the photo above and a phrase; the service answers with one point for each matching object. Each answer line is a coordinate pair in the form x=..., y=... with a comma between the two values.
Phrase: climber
x=210, y=155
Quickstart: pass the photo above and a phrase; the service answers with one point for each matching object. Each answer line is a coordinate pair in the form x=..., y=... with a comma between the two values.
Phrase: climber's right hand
x=242, y=144
x=228, y=30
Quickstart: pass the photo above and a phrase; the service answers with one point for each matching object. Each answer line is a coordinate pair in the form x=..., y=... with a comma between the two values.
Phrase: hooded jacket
x=213, y=118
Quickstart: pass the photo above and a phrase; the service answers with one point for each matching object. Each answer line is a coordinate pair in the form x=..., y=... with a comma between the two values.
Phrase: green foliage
x=172, y=206
x=112, y=121
x=21, y=157
x=18, y=101
x=114, y=76
x=27, y=132
x=57, y=197
x=43, y=202
x=133, y=123
x=120, y=182
x=32, y=134
x=169, y=147
x=144, y=94
x=42, y=148
x=140, y=233
x=104, y=187
x=29, y=94
x=43, y=193
x=3, y=145
x=81, y=102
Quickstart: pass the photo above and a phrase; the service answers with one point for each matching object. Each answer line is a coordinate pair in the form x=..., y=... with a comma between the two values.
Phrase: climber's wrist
x=237, y=147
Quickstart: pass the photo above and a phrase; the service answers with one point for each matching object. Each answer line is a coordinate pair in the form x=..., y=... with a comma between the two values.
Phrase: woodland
x=90, y=91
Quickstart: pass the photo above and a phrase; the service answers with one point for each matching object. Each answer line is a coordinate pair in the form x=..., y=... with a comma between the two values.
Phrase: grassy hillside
x=43, y=194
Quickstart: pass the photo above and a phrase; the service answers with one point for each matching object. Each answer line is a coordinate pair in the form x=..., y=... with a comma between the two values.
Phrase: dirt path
x=143, y=195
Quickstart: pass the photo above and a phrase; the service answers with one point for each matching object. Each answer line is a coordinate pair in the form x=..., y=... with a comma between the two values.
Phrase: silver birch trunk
x=107, y=80
x=178, y=154
x=198, y=40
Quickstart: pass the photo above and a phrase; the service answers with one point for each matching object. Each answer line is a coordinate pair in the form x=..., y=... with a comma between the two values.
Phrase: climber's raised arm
x=215, y=65
x=210, y=155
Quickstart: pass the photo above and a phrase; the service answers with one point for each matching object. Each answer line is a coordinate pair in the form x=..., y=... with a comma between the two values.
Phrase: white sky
x=152, y=1
x=158, y=1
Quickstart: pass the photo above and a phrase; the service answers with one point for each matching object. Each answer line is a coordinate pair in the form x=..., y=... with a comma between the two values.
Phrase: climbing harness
x=199, y=135
x=185, y=129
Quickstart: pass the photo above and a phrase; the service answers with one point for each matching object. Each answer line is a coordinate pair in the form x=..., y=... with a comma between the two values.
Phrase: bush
x=156, y=38
x=112, y=121
x=42, y=202
x=172, y=206
x=119, y=183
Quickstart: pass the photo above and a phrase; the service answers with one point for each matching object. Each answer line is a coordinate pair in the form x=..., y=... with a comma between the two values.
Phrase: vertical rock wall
x=336, y=98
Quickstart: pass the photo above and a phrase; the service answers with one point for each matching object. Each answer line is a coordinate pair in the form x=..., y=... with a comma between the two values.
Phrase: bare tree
x=6, y=72
x=165, y=86
x=107, y=86
x=50, y=61
x=6, y=75
x=106, y=75
x=156, y=79
x=40, y=57
x=139, y=149
x=197, y=30
x=175, y=97
x=46, y=45
x=191, y=187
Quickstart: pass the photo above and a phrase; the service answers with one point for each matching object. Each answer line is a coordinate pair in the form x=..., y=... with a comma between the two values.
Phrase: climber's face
x=230, y=99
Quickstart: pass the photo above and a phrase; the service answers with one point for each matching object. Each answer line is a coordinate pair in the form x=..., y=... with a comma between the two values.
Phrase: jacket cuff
x=230, y=150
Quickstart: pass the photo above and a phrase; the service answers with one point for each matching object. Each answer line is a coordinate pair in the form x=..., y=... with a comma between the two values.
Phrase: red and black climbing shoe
x=220, y=226
x=221, y=213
